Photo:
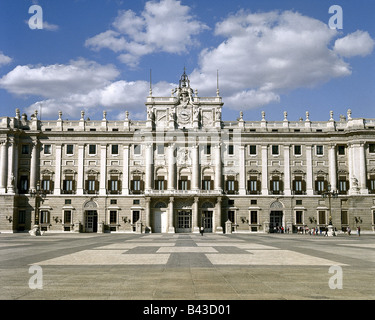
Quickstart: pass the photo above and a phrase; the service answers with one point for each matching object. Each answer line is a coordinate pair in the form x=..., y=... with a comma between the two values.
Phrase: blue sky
x=272, y=55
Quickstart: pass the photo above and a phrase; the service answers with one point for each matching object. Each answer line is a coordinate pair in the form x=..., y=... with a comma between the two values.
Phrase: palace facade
x=184, y=168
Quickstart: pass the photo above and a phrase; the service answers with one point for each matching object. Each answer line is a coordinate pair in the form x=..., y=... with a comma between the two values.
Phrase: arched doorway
x=276, y=217
x=90, y=217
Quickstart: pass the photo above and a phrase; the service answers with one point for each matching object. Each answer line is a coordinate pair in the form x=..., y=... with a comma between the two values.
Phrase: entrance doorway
x=276, y=221
x=207, y=221
x=160, y=222
x=91, y=221
x=184, y=221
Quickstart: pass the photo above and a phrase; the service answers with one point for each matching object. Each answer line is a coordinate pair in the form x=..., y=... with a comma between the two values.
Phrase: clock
x=184, y=115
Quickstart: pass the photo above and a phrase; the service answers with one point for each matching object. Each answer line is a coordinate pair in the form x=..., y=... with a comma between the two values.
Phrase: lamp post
x=37, y=194
x=330, y=194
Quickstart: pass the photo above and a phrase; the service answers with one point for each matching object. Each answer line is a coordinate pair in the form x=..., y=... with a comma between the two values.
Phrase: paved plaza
x=187, y=266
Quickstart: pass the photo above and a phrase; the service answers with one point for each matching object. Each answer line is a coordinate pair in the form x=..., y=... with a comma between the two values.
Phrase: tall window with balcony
x=276, y=185
x=253, y=185
x=183, y=183
x=92, y=185
x=371, y=184
x=231, y=185
x=68, y=185
x=343, y=185
x=321, y=185
x=299, y=185
x=160, y=183
x=137, y=185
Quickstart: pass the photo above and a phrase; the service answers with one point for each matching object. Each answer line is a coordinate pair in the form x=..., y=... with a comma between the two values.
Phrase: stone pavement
x=186, y=267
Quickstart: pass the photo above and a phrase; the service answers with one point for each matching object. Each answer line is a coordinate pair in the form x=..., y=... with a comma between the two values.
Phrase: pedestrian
x=202, y=231
x=359, y=231
x=348, y=229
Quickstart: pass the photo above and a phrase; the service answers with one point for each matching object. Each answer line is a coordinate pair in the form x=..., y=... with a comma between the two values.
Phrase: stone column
x=218, y=177
x=362, y=169
x=103, y=170
x=309, y=171
x=171, y=167
x=242, y=176
x=287, y=189
x=195, y=215
x=34, y=165
x=80, y=179
x=4, y=166
x=332, y=167
x=148, y=215
x=125, y=171
x=171, y=228
x=57, y=186
x=195, y=168
x=149, y=172
x=11, y=179
x=264, y=170
x=216, y=223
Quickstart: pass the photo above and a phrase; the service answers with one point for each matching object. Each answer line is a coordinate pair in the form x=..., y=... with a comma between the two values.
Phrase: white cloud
x=58, y=80
x=79, y=85
x=49, y=26
x=266, y=54
x=4, y=59
x=164, y=26
x=358, y=43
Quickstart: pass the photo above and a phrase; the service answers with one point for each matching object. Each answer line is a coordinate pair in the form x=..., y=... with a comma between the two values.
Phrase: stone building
x=184, y=168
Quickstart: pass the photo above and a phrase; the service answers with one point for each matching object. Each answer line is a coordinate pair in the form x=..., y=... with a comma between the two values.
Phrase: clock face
x=184, y=115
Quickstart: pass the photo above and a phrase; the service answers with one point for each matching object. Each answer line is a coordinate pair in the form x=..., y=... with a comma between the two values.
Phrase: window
x=344, y=217
x=91, y=185
x=92, y=129
x=68, y=185
x=24, y=184
x=137, y=149
x=254, y=217
x=320, y=185
x=341, y=150
x=67, y=216
x=25, y=149
x=113, y=201
x=68, y=201
x=69, y=149
x=113, y=217
x=231, y=185
x=160, y=183
x=343, y=185
x=299, y=217
x=322, y=217
x=297, y=150
x=371, y=148
x=276, y=185
x=21, y=216
x=92, y=149
x=231, y=149
x=275, y=150
x=136, y=201
x=207, y=184
x=253, y=201
x=46, y=184
x=299, y=185
x=319, y=150
x=371, y=184
x=114, y=149
x=253, y=185
x=207, y=149
x=183, y=183
x=231, y=215
x=160, y=149
x=113, y=185
x=253, y=150
x=136, y=185
x=298, y=202
x=47, y=149
x=44, y=217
